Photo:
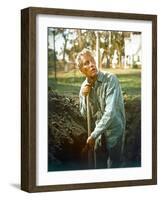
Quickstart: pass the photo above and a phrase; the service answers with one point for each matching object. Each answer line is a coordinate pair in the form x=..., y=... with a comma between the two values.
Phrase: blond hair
x=79, y=57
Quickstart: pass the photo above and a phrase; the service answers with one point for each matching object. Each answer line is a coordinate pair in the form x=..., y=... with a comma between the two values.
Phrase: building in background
x=132, y=58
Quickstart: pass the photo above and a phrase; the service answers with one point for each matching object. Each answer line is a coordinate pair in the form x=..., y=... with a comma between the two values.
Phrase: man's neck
x=92, y=80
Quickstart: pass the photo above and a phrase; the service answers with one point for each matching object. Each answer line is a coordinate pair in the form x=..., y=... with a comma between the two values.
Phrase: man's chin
x=94, y=74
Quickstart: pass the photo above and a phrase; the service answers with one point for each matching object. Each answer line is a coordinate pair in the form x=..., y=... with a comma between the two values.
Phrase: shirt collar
x=100, y=76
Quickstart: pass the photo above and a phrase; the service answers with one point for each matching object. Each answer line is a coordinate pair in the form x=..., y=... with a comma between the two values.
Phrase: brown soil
x=67, y=134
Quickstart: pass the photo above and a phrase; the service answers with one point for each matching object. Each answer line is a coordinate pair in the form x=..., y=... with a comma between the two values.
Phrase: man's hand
x=86, y=89
x=90, y=141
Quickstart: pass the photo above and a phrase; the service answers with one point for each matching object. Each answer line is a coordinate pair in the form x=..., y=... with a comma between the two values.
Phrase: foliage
x=67, y=43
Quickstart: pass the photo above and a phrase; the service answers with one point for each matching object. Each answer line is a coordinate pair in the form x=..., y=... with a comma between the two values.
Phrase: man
x=106, y=111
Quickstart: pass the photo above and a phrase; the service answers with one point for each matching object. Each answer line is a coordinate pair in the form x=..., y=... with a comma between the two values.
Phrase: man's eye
x=86, y=63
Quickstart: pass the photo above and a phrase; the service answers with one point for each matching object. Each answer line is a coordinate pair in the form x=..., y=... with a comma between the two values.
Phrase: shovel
x=88, y=150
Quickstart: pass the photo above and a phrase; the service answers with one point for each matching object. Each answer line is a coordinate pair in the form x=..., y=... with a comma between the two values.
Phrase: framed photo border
x=28, y=98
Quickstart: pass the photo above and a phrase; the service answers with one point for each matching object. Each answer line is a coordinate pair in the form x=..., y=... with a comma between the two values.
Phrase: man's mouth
x=94, y=70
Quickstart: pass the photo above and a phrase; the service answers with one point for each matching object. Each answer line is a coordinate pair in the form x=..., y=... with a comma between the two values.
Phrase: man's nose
x=91, y=64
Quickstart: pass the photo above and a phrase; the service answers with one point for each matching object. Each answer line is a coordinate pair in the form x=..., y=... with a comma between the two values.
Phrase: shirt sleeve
x=110, y=108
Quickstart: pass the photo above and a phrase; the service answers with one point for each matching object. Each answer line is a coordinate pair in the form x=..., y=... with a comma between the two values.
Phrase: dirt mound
x=132, y=150
x=67, y=133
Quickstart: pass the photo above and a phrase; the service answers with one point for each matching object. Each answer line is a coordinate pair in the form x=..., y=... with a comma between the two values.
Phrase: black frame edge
x=91, y=13
x=28, y=100
x=154, y=99
x=24, y=99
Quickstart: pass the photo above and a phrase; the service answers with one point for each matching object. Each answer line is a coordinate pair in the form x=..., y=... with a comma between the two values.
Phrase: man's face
x=88, y=67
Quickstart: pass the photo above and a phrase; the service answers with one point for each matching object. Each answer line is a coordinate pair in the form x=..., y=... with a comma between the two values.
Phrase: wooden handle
x=88, y=116
x=91, y=156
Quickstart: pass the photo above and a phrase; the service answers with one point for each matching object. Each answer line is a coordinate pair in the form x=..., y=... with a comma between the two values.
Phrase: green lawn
x=69, y=83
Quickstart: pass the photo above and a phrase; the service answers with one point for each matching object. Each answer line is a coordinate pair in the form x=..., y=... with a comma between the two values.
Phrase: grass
x=69, y=83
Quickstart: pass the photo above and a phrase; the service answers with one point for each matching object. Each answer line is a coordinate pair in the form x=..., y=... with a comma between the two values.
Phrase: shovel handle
x=88, y=116
x=91, y=154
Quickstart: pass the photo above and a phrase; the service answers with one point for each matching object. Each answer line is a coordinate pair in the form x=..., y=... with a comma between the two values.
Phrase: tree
x=53, y=32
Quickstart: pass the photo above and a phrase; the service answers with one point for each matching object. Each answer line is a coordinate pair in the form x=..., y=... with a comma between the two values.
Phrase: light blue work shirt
x=106, y=108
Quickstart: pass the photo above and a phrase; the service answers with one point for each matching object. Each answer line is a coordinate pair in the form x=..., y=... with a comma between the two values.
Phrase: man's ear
x=81, y=70
x=82, y=73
